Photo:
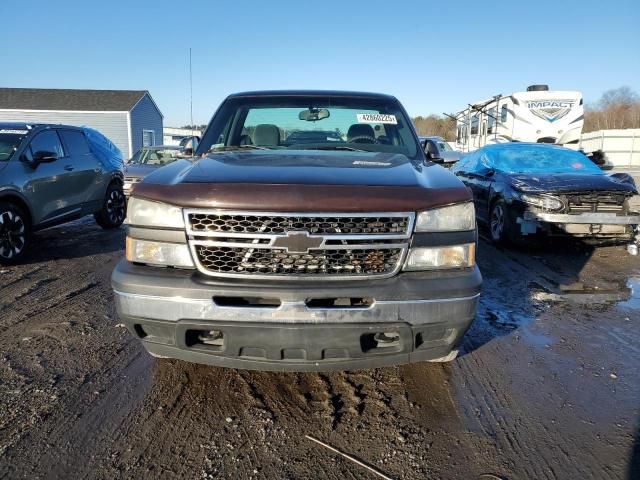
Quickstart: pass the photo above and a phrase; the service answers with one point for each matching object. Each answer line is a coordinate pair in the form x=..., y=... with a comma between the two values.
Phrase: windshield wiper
x=335, y=147
x=231, y=148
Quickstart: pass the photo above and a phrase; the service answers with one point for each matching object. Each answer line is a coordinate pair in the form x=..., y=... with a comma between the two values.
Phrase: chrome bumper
x=170, y=310
x=413, y=312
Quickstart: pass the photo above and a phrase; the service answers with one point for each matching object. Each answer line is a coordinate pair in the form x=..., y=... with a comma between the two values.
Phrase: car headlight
x=439, y=258
x=546, y=202
x=145, y=213
x=158, y=253
x=455, y=218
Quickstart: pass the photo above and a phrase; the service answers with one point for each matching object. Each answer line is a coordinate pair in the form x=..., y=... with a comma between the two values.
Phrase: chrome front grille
x=264, y=261
x=315, y=225
x=298, y=245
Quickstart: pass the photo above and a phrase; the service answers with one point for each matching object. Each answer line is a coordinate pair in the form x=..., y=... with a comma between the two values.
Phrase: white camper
x=537, y=115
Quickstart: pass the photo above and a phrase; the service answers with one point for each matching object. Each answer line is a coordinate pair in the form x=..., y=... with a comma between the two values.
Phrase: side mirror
x=43, y=156
x=188, y=152
x=433, y=157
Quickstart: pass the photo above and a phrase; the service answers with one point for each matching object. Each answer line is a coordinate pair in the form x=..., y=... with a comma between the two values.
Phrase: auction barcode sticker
x=376, y=118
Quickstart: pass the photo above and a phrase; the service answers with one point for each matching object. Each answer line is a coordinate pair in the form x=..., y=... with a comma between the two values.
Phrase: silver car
x=439, y=151
x=146, y=160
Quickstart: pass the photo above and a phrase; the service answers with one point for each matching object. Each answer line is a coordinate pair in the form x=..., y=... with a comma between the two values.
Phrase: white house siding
x=145, y=116
x=111, y=124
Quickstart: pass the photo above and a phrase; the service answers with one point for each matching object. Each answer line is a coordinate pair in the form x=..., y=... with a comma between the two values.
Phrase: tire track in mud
x=86, y=401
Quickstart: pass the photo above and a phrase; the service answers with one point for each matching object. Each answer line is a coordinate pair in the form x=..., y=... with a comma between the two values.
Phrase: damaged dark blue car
x=524, y=189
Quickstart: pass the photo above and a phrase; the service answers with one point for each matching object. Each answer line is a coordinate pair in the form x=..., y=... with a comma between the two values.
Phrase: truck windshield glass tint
x=341, y=123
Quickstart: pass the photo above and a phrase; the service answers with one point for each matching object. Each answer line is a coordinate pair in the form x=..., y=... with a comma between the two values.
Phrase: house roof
x=69, y=99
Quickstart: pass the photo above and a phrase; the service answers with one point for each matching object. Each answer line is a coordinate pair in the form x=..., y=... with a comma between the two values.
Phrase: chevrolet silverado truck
x=308, y=233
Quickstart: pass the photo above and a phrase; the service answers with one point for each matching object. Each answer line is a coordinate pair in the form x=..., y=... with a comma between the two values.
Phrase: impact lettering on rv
x=551, y=104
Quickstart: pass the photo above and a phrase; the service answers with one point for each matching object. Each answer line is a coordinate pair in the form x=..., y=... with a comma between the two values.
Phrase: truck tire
x=114, y=208
x=15, y=233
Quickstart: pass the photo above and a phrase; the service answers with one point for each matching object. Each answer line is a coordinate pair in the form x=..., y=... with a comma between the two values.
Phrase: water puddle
x=633, y=302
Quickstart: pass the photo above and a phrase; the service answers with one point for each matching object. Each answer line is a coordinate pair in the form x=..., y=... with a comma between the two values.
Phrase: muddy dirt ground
x=547, y=385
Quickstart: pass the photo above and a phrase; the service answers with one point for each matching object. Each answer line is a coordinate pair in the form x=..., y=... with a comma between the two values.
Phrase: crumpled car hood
x=569, y=182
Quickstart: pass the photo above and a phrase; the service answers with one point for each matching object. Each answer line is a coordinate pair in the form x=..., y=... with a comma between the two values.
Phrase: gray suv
x=51, y=174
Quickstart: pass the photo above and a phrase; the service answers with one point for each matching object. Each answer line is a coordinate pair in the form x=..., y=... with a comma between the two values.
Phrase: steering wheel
x=363, y=139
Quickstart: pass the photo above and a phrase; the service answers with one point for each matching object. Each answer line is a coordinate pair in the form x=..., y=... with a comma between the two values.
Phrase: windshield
x=537, y=159
x=444, y=147
x=152, y=156
x=311, y=123
x=9, y=141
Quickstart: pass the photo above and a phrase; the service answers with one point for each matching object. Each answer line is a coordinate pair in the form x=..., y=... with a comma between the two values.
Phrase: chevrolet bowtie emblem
x=297, y=242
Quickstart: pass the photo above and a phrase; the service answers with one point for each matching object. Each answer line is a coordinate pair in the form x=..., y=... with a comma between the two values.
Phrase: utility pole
x=190, y=90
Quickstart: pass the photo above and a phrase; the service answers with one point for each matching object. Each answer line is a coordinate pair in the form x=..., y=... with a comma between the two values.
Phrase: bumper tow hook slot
x=386, y=339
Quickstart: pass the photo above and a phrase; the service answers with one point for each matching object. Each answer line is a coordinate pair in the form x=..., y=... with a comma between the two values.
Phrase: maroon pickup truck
x=309, y=232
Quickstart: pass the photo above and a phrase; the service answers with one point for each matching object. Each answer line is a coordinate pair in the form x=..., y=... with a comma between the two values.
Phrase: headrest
x=266, y=135
x=359, y=130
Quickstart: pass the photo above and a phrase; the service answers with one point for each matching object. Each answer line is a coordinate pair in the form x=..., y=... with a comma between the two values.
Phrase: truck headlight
x=158, y=253
x=456, y=218
x=546, y=202
x=145, y=213
x=438, y=258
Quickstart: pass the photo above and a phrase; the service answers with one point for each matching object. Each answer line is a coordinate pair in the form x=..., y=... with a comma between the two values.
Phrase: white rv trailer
x=537, y=115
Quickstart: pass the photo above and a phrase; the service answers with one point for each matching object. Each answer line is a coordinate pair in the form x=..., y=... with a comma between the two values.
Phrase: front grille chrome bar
x=258, y=244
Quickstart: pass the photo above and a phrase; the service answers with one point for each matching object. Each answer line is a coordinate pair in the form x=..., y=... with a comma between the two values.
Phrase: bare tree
x=434, y=125
x=617, y=108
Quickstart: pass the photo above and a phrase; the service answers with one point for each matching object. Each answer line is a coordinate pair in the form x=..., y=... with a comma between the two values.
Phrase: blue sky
x=434, y=56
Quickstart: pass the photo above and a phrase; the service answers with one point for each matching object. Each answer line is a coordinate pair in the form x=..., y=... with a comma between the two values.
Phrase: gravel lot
x=547, y=386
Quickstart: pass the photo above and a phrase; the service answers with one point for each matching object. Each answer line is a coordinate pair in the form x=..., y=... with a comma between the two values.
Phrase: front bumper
x=599, y=218
x=587, y=224
x=427, y=313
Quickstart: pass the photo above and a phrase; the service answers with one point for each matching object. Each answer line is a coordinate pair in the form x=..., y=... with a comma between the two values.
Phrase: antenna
x=190, y=89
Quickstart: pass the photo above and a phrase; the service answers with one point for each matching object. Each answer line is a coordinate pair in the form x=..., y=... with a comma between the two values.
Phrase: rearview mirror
x=314, y=114
x=43, y=156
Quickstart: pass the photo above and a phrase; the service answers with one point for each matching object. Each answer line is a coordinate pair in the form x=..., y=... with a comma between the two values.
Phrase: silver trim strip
x=323, y=246
x=603, y=218
x=196, y=301
x=414, y=312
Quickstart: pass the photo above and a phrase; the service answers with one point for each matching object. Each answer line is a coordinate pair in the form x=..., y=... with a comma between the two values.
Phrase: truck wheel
x=500, y=225
x=15, y=235
x=114, y=208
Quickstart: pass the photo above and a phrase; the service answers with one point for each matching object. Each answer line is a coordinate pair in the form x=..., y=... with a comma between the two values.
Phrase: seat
x=245, y=139
x=360, y=130
x=266, y=135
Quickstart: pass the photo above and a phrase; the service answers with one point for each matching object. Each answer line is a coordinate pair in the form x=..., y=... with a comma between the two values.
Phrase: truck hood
x=569, y=182
x=138, y=171
x=303, y=167
x=303, y=180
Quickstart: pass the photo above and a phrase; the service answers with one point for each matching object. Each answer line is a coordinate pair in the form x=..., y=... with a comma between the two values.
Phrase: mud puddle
x=633, y=301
